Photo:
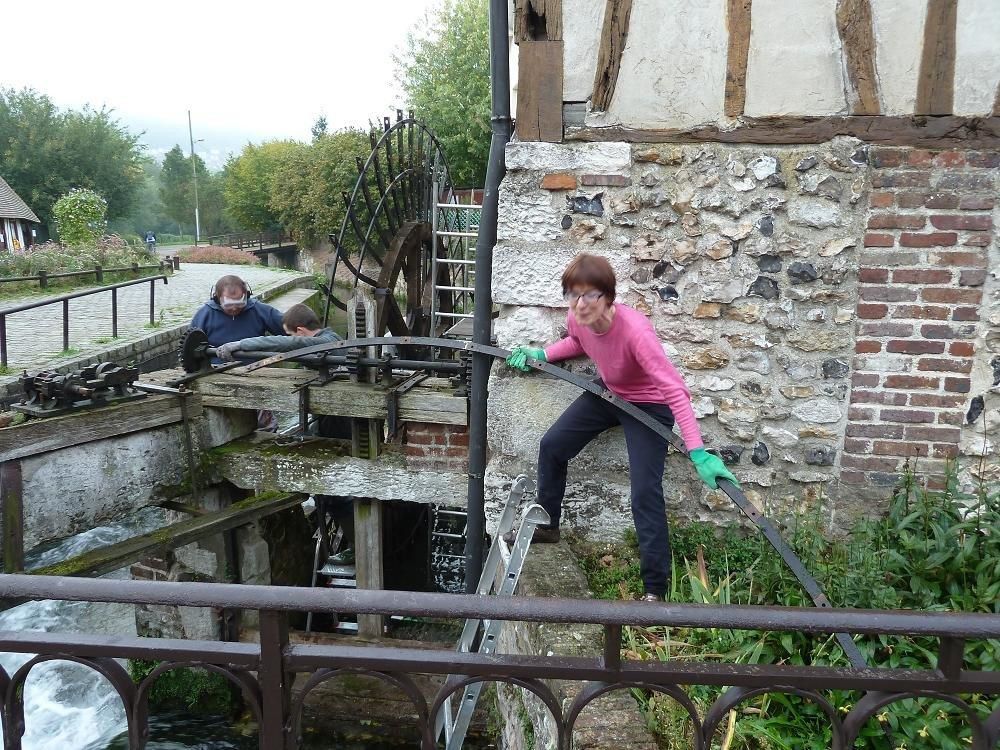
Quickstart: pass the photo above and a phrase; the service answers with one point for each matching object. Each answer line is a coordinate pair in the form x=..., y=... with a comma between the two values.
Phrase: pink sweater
x=632, y=364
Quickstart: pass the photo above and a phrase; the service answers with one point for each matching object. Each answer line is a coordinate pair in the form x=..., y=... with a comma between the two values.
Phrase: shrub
x=213, y=254
x=81, y=217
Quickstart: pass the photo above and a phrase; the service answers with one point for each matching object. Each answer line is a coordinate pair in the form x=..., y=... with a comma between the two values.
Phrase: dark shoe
x=651, y=598
x=344, y=557
x=541, y=536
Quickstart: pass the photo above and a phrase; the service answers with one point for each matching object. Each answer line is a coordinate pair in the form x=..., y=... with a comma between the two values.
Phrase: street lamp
x=194, y=177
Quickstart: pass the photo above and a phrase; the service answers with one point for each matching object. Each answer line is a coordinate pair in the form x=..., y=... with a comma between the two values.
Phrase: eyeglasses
x=574, y=297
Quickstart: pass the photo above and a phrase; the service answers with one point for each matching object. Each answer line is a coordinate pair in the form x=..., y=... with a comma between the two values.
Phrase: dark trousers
x=585, y=419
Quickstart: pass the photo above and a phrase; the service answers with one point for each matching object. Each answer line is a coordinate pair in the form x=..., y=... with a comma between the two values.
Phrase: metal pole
x=483, y=319
x=152, y=302
x=194, y=176
x=65, y=307
x=114, y=313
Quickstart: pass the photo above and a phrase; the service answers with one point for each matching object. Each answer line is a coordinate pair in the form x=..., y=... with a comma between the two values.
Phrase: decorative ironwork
x=275, y=661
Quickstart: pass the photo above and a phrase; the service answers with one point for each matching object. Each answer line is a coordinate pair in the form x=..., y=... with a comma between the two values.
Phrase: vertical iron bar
x=65, y=307
x=950, y=657
x=114, y=313
x=482, y=320
x=152, y=302
x=273, y=681
x=12, y=502
x=613, y=647
x=3, y=340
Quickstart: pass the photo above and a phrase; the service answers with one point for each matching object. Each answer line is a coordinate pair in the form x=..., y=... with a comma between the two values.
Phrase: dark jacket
x=256, y=319
x=287, y=343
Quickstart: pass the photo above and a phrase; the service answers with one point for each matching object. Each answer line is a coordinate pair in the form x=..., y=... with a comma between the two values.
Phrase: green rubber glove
x=710, y=468
x=520, y=354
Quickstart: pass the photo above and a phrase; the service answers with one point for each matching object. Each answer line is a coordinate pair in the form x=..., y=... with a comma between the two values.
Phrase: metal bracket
x=392, y=401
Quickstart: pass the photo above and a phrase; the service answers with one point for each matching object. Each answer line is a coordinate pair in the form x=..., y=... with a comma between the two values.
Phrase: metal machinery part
x=49, y=393
x=734, y=493
x=194, y=354
x=389, y=222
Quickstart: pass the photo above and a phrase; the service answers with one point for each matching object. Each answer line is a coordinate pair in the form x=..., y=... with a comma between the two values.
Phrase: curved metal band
x=802, y=575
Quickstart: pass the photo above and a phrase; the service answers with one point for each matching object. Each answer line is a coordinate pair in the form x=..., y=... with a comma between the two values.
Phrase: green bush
x=81, y=217
x=196, y=690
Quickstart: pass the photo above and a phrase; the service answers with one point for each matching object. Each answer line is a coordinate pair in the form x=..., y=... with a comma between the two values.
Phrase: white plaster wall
x=673, y=69
x=977, y=56
x=897, y=55
x=795, y=65
x=582, y=24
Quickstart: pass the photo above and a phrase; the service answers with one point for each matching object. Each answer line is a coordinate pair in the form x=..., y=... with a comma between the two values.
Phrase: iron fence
x=65, y=299
x=264, y=671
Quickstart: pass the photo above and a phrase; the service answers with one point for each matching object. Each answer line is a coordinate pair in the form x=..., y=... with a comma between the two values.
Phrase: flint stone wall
x=751, y=263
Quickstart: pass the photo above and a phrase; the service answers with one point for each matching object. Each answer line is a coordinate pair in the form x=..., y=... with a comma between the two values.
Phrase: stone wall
x=760, y=267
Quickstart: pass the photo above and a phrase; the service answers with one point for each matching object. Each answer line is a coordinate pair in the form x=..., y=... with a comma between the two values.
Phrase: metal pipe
x=483, y=320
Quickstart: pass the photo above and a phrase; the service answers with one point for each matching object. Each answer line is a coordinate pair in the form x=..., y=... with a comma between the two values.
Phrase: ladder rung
x=446, y=535
x=454, y=315
x=457, y=234
x=456, y=288
x=446, y=512
x=466, y=206
x=456, y=260
x=342, y=583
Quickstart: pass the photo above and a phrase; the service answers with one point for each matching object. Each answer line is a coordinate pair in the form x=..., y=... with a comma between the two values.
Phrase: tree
x=45, y=152
x=319, y=128
x=81, y=216
x=248, y=183
x=444, y=71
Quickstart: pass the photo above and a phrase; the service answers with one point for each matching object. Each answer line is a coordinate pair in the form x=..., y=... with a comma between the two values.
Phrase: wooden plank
x=539, y=91
x=936, y=80
x=923, y=132
x=738, y=24
x=325, y=467
x=368, y=548
x=12, y=509
x=275, y=388
x=537, y=20
x=44, y=435
x=614, y=34
x=116, y=556
x=857, y=35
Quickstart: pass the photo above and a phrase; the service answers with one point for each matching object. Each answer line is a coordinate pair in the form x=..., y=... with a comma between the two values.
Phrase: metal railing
x=275, y=240
x=64, y=299
x=43, y=277
x=265, y=671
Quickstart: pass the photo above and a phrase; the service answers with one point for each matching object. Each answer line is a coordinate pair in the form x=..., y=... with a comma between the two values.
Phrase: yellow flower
x=846, y=708
x=883, y=717
x=923, y=732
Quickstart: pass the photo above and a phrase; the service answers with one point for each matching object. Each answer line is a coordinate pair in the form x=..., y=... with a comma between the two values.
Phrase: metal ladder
x=448, y=535
x=455, y=227
x=455, y=727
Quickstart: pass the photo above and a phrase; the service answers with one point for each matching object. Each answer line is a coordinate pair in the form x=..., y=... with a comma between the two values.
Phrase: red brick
x=943, y=434
x=976, y=203
x=872, y=312
x=884, y=329
x=873, y=275
x=921, y=276
x=936, y=331
x=421, y=438
x=928, y=239
x=962, y=349
x=966, y=314
x=864, y=380
x=975, y=222
x=610, y=180
x=978, y=239
x=886, y=398
x=884, y=431
x=960, y=259
x=896, y=221
x=952, y=296
x=867, y=347
x=911, y=382
x=919, y=157
x=957, y=385
x=887, y=157
x=921, y=312
x=942, y=450
x=887, y=294
x=983, y=159
x=915, y=347
x=868, y=463
x=901, y=179
x=941, y=200
x=959, y=181
x=911, y=200
x=852, y=477
x=881, y=200
x=931, y=364
x=857, y=447
x=892, y=448
x=949, y=159
x=954, y=418
x=879, y=240
x=559, y=181
x=880, y=257
x=860, y=414
x=936, y=400
x=970, y=277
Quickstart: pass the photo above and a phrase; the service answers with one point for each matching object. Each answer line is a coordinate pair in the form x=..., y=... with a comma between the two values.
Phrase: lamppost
x=194, y=177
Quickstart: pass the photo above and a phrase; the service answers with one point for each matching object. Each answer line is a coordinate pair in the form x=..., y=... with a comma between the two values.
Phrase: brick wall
x=436, y=446
x=920, y=286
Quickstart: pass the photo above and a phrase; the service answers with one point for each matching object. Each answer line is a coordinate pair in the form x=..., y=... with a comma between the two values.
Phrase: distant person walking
x=150, y=241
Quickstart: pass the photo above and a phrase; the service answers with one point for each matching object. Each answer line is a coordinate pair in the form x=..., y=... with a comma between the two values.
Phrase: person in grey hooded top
x=299, y=322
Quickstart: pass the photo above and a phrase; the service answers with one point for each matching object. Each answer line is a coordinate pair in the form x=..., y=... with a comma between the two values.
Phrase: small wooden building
x=17, y=221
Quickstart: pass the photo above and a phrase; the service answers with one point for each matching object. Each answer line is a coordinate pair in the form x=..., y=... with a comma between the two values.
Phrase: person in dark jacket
x=299, y=322
x=232, y=314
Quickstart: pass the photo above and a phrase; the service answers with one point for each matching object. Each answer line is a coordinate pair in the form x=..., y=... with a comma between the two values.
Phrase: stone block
x=593, y=158
x=197, y=560
x=536, y=326
x=530, y=274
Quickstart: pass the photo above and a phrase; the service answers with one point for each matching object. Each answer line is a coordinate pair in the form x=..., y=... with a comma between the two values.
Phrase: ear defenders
x=214, y=294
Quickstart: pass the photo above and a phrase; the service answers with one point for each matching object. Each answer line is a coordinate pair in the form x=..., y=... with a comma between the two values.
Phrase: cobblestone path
x=34, y=337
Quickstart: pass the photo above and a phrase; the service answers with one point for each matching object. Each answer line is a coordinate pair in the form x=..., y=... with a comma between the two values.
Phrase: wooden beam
x=274, y=388
x=539, y=91
x=537, y=20
x=369, y=572
x=936, y=81
x=44, y=435
x=923, y=132
x=857, y=36
x=614, y=34
x=738, y=26
x=116, y=556
x=12, y=510
x=325, y=467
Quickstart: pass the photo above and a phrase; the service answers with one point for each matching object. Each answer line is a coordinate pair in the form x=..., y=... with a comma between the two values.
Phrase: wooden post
x=936, y=82
x=368, y=559
x=12, y=510
x=738, y=23
x=857, y=35
x=275, y=682
x=609, y=56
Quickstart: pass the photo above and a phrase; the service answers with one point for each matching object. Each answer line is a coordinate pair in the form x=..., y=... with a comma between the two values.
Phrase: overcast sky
x=248, y=71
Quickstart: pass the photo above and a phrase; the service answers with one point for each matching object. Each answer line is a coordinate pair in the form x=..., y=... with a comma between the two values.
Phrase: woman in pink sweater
x=631, y=362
